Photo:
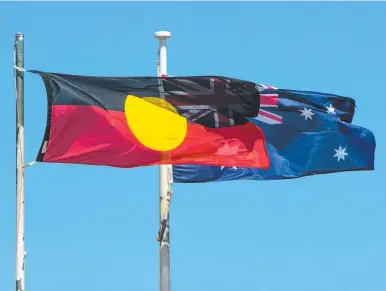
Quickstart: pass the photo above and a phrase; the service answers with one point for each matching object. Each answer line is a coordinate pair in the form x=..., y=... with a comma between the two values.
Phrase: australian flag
x=307, y=133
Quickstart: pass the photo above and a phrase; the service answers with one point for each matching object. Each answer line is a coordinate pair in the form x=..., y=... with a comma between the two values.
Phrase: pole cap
x=19, y=35
x=162, y=34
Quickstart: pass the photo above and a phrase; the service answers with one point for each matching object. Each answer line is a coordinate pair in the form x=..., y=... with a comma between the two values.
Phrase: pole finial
x=162, y=34
x=19, y=35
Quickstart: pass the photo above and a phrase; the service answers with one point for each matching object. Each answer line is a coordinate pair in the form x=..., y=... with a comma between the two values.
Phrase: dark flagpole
x=20, y=244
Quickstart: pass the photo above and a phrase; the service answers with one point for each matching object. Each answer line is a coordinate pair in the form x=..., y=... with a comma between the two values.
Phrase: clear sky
x=94, y=228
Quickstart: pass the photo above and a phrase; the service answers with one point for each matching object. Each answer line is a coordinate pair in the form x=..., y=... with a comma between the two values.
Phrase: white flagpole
x=20, y=244
x=165, y=180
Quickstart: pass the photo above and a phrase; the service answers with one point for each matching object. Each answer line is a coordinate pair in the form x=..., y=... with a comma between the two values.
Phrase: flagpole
x=165, y=180
x=20, y=244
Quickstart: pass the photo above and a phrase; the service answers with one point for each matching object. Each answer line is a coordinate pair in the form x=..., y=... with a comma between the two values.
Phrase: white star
x=307, y=113
x=340, y=153
x=331, y=109
x=235, y=168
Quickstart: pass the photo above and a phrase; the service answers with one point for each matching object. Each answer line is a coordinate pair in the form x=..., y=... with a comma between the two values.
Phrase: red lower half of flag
x=94, y=136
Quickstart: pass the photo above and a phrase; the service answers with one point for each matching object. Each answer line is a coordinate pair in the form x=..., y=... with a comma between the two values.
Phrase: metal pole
x=165, y=181
x=20, y=244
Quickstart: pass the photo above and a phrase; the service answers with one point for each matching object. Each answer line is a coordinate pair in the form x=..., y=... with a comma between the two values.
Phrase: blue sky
x=95, y=228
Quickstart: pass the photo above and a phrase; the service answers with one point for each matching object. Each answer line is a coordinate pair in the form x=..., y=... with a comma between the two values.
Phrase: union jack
x=201, y=112
x=268, y=100
x=210, y=115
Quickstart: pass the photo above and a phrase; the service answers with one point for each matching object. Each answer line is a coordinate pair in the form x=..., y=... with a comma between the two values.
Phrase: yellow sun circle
x=155, y=122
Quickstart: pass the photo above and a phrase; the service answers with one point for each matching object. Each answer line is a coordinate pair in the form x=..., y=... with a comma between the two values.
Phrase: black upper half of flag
x=212, y=101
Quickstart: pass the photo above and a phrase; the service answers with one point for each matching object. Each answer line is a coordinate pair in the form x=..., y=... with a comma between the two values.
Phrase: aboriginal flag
x=139, y=121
